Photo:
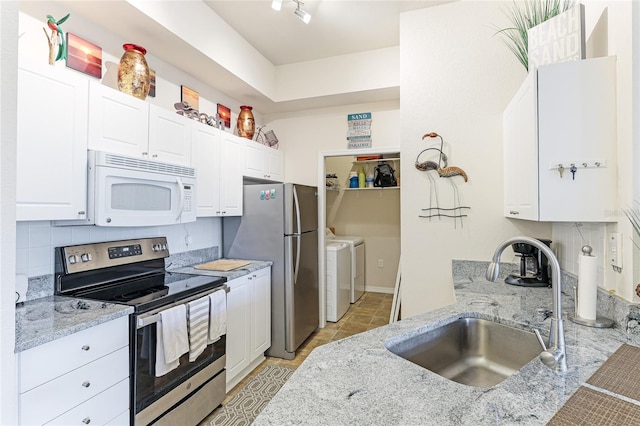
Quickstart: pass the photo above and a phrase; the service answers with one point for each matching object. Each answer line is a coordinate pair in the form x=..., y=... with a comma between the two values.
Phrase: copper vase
x=246, y=123
x=133, y=72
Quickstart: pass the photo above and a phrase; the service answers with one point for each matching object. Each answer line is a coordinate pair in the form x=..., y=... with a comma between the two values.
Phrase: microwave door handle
x=181, y=198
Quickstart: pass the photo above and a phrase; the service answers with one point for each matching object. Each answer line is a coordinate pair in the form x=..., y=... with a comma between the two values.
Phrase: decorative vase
x=133, y=72
x=246, y=123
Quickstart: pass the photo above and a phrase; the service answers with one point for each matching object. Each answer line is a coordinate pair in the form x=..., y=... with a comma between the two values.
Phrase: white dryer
x=356, y=245
x=338, y=279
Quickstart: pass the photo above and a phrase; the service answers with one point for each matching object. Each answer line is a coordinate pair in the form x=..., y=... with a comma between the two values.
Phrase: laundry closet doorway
x=370, y=213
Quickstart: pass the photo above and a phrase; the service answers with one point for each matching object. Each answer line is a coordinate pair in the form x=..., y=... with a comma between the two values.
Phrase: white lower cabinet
x=248, y=324
x=80, y=378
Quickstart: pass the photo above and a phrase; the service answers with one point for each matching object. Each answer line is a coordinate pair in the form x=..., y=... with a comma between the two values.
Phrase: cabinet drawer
x=46, y=362
x=102, y=408
x=121, y=420
x=60, y=395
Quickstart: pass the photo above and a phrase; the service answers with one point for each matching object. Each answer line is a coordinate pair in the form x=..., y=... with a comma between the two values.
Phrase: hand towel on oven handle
x=218, y=315
x=171, y=341
x=198, y=323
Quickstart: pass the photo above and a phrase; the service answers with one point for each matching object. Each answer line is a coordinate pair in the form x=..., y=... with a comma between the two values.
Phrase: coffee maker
x=534, y=266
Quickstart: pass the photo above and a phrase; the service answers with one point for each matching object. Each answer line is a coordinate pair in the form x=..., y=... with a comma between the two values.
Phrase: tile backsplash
x=569, y=238
x=35, y=241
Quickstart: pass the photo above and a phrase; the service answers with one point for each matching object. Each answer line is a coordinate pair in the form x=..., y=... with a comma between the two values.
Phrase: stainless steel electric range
x=132, y=272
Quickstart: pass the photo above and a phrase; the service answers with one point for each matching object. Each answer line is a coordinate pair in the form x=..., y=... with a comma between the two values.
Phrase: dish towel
x=198, y=324
x=218, y=315
x=171, y=339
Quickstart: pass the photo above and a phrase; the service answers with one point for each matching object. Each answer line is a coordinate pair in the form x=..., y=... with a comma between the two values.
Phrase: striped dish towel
x=198, y=324
x=218, y=316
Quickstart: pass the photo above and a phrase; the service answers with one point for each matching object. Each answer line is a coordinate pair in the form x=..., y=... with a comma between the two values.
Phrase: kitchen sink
x=471, y=351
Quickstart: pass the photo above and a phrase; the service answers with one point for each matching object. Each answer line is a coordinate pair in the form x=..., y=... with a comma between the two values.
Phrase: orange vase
x=133, y=72
x=246, y=123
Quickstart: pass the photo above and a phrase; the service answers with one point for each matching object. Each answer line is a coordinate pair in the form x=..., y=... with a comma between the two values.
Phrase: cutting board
x=223, y=265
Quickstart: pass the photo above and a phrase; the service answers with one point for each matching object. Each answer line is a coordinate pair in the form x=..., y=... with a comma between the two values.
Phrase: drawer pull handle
x=86, y=347
x=86, y=384
x=86, y=420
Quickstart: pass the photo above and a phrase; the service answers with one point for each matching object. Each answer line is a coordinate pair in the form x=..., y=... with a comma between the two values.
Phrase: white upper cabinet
x=123, y=124
x=216, y=157
x=118, y=122
x=51, y=143
x=567, y=119
x=262, y=162
x=169, y=136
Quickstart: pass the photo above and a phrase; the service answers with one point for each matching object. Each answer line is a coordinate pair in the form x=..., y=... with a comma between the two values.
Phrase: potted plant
x=524, y=15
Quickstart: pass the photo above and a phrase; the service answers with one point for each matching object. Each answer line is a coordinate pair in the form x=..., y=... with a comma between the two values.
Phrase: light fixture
x=301, y=14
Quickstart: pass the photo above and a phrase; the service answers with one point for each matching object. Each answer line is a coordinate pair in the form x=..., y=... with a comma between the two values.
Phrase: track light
x=304, y=16
x=301, y=14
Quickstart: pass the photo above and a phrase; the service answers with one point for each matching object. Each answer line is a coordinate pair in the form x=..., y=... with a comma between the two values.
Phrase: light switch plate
x=615, y=249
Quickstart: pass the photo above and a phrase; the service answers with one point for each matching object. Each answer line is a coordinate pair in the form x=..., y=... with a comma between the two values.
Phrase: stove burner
x=142, y=295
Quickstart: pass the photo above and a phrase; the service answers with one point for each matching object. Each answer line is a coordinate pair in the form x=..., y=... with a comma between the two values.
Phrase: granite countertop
x=357, y=381
x=49, y=318
x=255, y=265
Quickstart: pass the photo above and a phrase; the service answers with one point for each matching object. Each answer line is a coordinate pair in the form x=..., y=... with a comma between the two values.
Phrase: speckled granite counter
x=255, y=265
x=49, y=318
x=357, y=381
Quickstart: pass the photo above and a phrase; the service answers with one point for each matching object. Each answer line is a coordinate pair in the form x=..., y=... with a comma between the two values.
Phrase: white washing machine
x=356, y=244
x=338, y=279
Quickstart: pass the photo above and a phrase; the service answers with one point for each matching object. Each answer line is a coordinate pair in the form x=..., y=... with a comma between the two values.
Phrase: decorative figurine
x=56, y=39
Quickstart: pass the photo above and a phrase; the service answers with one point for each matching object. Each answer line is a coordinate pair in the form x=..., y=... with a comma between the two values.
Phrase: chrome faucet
x=554, y=357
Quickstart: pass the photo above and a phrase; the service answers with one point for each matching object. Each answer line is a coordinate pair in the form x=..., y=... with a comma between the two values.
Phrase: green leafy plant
x=634, y=217
x=524, y=15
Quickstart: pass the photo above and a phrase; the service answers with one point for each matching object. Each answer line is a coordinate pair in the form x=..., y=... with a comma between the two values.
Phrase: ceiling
x=337, y=27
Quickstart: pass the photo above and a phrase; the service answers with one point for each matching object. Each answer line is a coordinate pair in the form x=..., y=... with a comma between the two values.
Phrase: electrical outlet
x=380, y=263
x=615, y=250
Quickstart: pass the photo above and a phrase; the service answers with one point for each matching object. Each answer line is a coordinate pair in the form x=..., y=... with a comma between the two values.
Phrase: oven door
x=125, y=197
x=153, y=397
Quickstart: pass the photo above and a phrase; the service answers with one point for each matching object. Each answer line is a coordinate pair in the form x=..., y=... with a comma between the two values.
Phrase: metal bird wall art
x=444, y=170
x=57, y=39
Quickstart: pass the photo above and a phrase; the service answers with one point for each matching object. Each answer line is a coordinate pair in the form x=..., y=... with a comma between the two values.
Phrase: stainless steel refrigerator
x=280, y=223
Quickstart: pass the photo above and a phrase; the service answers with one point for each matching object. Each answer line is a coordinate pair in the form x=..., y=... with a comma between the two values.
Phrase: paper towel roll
x=587, y=287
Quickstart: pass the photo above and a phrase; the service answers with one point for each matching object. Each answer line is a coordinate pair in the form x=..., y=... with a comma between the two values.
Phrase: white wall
x=306, y=133
x=456, y=80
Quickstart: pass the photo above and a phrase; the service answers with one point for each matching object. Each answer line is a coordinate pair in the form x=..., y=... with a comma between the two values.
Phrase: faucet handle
x=537, y=333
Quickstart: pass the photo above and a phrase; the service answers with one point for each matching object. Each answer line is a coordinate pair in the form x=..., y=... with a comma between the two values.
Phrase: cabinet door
x=118, y=122
x=238, y=326
x=521, y=153
x=252, y=161
x=169, y=136
x=261, y=310
x=577, y=123
x=230, y=175
x=51, y=135
x=205, y=157
x=274, y=164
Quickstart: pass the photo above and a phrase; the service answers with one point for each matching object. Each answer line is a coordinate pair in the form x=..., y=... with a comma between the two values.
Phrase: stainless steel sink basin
x=471, y=351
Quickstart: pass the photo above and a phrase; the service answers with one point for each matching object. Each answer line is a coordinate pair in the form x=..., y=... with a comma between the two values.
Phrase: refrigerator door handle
x=296, y=267
x=296, y=206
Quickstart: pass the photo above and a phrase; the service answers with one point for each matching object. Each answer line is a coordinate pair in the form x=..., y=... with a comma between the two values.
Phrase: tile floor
x=370, y=311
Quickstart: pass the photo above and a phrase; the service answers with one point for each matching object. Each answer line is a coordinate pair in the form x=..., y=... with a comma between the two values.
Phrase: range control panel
x=86, y=257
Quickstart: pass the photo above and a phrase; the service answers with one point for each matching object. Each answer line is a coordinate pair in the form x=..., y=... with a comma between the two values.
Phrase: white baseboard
x=373, y=289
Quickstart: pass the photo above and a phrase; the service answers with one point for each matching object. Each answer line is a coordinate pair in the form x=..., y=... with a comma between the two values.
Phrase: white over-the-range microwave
x=128, y=191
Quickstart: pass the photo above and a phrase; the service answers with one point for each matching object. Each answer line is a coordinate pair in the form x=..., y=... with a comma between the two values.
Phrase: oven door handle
x=154, y=316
